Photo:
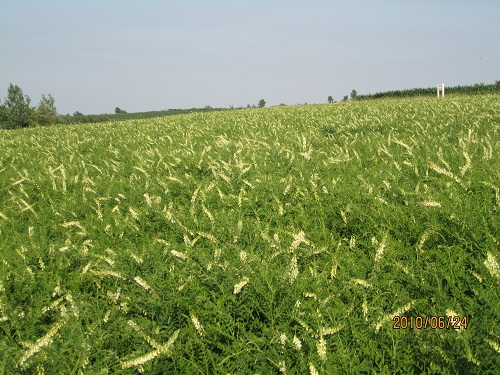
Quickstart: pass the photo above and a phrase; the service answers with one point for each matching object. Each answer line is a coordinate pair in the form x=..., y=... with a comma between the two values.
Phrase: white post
x=440, y=89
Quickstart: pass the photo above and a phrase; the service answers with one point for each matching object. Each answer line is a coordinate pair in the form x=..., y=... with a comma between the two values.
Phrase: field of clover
x=255, y=241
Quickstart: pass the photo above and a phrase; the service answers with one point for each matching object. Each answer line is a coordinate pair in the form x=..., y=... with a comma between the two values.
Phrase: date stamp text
x=434, y=322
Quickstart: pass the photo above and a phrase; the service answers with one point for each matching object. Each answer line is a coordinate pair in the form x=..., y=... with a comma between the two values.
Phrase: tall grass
x=280, y=240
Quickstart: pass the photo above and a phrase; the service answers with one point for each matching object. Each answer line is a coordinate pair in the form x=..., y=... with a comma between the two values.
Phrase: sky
x=93, y=56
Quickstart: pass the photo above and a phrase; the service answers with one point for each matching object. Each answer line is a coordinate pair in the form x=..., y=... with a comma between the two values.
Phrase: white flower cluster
x=240, y=285
x=492, y=265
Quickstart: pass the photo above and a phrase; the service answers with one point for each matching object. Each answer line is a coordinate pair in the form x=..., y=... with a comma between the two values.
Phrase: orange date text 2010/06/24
x=434, y=322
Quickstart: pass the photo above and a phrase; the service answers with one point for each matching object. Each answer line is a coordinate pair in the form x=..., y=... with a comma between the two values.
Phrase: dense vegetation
x=477, y=89
x=80, y=118
x=16, y=111
x=279, y=240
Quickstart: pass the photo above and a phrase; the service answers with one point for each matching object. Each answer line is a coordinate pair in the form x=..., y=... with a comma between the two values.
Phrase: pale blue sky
x=92, y=56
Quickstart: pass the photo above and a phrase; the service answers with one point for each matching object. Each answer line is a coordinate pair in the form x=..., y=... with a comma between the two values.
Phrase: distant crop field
x=360, y=237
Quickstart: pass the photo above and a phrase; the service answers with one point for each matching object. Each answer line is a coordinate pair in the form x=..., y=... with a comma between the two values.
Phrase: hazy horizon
x=143, y=56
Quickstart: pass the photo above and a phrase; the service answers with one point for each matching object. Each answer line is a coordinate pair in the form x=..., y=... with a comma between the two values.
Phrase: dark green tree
x=46, y=112
x=262, y=103
x=3, y=113
x=345, y=99
x=354, y=94
x=330, y=99
x=17, y=107
x=119, y=110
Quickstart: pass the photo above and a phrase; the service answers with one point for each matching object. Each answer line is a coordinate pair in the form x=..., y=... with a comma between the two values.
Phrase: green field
x=255, y=241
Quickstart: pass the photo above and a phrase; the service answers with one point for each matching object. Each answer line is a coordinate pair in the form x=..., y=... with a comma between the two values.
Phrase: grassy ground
x=286, y=239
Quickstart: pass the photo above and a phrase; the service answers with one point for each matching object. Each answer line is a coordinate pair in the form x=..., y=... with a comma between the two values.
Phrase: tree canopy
x=46, y=112
x=17, y=108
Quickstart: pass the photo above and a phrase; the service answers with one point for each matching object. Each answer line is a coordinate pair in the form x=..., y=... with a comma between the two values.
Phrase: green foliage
x=254, y=241
x=354, y=94
x=17, y=110
x=330, y=99
x=3, y=113
x=477, y=89
x=80, y=118
x=262, y=103
x=46, y=112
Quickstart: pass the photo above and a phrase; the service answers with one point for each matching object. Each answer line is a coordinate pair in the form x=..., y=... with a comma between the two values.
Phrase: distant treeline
x=478, y=88
x=120, y=115
x=79, y=118
x=16, y=110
